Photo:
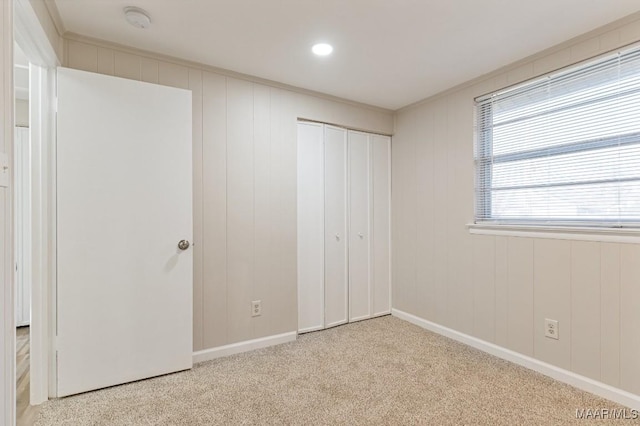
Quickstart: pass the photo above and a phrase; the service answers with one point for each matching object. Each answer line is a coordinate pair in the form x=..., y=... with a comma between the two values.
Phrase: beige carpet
x=378, y=372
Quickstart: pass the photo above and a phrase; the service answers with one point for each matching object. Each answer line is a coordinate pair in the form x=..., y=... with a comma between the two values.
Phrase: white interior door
x=359, y=226
x=22, y=226
x=310, y=227
x=381, y=226
x=335, y=243
x=124, y=288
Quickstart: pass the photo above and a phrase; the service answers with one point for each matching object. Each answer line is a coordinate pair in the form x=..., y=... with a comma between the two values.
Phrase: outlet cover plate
x=551, y=329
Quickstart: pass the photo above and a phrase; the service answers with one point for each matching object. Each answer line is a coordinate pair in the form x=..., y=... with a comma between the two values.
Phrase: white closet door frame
x=336, y=201
x=310, y=188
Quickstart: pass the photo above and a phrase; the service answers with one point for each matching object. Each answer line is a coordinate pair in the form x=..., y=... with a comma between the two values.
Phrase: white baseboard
x=247, y=345
x=581, y=382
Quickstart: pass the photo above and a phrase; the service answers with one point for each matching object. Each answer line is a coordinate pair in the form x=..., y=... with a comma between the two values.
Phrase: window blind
x=564, y=149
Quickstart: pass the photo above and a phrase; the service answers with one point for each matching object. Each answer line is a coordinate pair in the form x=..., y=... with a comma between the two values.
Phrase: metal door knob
x=183, y=244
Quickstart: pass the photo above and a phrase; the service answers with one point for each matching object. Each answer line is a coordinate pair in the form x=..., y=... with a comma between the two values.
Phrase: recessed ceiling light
x=137, y=17
x=322, y=49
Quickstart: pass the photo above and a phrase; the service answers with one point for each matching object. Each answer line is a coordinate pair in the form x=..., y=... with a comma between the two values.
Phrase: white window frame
x=585, y=230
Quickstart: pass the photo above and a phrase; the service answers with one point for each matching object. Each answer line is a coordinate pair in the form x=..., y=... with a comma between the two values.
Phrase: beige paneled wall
x=244, y=136
x=498, y=288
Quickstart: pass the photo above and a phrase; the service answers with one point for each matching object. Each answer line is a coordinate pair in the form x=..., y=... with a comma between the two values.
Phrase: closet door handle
x=360, y=235
x=337, y=237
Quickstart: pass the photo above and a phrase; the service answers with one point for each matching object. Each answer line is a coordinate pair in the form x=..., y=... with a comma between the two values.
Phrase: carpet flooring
x=378, y=372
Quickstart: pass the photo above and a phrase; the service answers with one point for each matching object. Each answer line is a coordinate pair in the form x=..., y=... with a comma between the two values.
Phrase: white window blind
x=564, y=149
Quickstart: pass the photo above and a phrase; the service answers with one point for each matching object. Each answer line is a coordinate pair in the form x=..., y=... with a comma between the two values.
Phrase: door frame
x=32, y=39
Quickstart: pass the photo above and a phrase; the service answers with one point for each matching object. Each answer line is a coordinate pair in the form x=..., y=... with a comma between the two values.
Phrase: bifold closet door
x=335, y=242
x=381, y=226
x=359, y=226
x=310, y=227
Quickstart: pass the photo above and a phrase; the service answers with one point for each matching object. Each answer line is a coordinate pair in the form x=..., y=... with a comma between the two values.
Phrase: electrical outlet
x=551, y=329
x=256, y=308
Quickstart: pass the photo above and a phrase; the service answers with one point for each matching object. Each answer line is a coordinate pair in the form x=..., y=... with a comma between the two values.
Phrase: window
x=563, y=149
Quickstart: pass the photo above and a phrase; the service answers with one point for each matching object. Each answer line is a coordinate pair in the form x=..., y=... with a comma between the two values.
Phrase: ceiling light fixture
x=137, y=17
x=322, y=49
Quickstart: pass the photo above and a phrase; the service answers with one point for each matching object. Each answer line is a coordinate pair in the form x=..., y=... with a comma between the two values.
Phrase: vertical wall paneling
x=552, y=300
x=459, y=204
x=106, y=61
x=127, y=66
x=173, y=75
x=240, y=209
x=195, y=84
x=520, y=295
x=82, y=56
x=310, y=227
x=264, y=243
x=440, y=241
x=484, y=295
x=501, y=291
x=335, y=236
x=629, y=317
x=610, y=313
x=399, y=164
x=425, y=228
x=585, y=308
x=214, y=210
x=381, y=223
x=289, y=117
x=149, y=70
x=359, y=227
x=284, y=289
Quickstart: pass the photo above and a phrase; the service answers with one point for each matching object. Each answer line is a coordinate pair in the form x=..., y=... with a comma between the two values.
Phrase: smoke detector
x=137, y=17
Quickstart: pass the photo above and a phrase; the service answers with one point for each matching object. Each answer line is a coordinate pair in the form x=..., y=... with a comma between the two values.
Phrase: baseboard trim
x=581, y=382
x=247, y=345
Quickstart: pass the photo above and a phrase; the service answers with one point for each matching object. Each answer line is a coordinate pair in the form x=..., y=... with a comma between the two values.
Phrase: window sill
x=614, y=235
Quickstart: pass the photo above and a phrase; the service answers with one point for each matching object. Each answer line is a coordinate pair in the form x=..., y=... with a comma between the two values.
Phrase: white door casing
x=124, y=289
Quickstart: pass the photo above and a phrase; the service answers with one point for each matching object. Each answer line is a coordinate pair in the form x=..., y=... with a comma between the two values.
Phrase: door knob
x=360, y=235
x=337, y=237
x=183, y=244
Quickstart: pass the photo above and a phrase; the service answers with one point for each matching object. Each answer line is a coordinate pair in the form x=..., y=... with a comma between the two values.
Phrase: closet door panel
x=336, y=272
x=310, y=227
x=381, y=253
x=359, y=226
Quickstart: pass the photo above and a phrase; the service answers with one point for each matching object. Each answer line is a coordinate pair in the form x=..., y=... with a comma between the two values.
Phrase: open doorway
x=33, y=198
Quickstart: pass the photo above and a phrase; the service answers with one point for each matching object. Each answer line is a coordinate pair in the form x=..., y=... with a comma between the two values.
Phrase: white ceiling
x=387, y=53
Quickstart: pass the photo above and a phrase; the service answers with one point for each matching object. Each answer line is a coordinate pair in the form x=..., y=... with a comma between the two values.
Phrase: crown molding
x=69, y=36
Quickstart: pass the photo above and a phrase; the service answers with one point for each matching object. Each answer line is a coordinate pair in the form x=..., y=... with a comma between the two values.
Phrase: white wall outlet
x=551, y=329
x=256, y=308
